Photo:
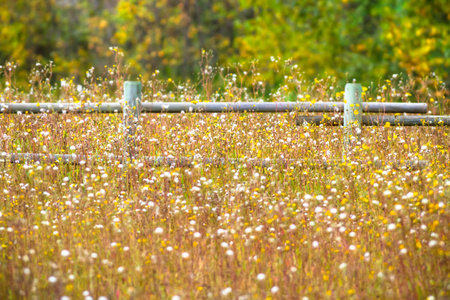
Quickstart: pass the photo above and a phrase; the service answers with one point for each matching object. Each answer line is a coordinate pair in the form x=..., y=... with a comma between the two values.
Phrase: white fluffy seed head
x=226, y=291
x=391, y=226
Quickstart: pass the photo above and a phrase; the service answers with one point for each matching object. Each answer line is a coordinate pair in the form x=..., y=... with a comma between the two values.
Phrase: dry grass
x=231, y=232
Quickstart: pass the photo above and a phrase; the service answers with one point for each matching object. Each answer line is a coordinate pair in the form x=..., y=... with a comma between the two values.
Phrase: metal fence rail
x=190, y=161
x=211, y=107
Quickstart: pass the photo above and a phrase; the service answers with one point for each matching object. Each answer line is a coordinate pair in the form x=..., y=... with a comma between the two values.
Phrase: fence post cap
x=132, y=83
x=352, y=85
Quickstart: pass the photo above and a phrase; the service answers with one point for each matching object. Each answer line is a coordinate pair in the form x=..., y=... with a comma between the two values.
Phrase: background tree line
x=362, y=39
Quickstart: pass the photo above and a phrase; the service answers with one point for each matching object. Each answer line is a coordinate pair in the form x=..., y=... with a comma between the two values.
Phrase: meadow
x=112, y=230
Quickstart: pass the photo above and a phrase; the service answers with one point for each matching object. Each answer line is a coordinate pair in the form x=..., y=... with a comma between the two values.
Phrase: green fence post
x=352, y=113
x=131, y=110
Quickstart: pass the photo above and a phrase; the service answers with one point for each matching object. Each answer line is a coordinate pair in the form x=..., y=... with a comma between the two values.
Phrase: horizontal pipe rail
x=211, y=107
x=379, y=120
x=190, y=161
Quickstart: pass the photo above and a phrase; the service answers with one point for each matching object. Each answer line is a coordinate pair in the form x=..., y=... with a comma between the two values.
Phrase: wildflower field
x=112, y=230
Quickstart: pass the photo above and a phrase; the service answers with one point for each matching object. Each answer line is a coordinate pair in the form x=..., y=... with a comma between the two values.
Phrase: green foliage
x=356, y=39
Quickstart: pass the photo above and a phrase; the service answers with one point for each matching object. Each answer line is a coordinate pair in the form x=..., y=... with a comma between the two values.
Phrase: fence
x=211, y=107
x=158, y=161
x=352, y=120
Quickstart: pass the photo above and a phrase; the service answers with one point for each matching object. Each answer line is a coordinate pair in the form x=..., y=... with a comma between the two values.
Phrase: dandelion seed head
x=432, y=243
x=391, y=227
x=261, y=276
x=226, y=291
x=52, y=279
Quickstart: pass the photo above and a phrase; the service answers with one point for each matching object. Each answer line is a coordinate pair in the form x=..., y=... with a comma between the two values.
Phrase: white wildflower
x=261, y=276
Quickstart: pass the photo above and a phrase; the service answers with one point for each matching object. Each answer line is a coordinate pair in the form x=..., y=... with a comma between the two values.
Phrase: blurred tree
x=44, y=30
x=361, y=38
x=169, y=35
